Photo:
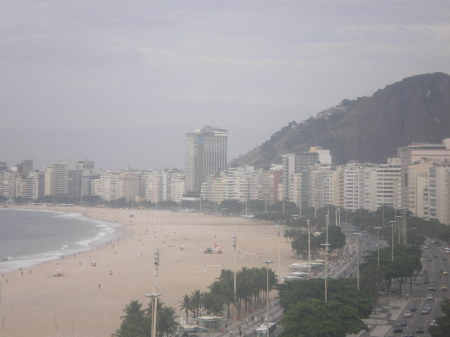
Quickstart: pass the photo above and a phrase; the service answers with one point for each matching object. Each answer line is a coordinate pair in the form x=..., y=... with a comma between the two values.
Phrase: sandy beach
x=89, y=299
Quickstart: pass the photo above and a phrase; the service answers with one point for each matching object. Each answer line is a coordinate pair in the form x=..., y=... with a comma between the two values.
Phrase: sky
x=122, y=82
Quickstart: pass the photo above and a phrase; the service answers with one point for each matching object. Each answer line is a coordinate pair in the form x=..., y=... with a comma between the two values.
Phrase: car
x=412, y=308
x=433, y=323
x=429, y=259
x=445, y=272
x=425, y=281
x=403, y=322
x=408, y=334
x=432, y=288
x=429, y=297
x=424, y=311
x=420, y=329
x=444, y=258
x=407, y=313
x=444, y=287
x=397, y=329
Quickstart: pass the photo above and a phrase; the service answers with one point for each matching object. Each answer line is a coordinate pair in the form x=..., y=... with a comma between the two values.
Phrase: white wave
x=105, y=233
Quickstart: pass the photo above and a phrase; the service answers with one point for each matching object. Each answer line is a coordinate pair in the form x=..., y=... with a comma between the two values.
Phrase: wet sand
x=89, y=298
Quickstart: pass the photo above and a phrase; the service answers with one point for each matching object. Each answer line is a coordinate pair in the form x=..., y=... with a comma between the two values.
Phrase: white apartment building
x=230, y=184
x=50, y=181
x=417, y=184
x=388, y=184
x=295, y=188
x=108, y=185
x=8, y=184
x=321, y=186
x=177, y=190
x=416, y=152
x=128, y=185
x=338, y=186
x=370, y=187
x=354, y=186
x=437, y=194
x=153, y=186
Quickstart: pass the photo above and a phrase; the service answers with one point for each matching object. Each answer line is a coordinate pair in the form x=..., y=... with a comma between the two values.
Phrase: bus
x=261, y=331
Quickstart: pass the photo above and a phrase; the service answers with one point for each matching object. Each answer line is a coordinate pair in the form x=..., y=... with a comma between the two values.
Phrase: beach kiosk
x=191, y=331
x=211, y=323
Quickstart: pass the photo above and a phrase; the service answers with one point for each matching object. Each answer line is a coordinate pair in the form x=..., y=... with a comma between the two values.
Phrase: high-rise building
x=416, y=152
x=206, y=154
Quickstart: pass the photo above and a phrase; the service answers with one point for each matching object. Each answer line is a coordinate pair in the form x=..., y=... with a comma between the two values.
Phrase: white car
x=408, y=313
x=429, y=297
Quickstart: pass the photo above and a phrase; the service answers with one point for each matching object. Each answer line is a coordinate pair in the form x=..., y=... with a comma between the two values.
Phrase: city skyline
x=114, y=81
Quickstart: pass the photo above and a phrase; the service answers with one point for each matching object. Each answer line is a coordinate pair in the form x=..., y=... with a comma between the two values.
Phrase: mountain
x=368, y=129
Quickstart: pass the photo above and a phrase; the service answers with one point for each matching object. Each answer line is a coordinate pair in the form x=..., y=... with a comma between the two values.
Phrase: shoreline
x=102, y=232
x=97, y=284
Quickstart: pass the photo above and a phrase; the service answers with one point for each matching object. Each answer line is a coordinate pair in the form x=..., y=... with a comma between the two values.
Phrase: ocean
x=30, y=237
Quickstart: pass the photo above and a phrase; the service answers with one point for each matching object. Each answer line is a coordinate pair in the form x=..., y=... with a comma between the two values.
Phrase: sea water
x=30, y=237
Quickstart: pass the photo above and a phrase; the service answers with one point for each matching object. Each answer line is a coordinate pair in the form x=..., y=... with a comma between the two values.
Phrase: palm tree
x=213, y=303
x=185, y=305
x=134, y=323
x=196, y=303
x=167, y=324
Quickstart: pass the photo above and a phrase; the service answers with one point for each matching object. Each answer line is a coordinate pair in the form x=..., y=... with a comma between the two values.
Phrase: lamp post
x=234, y=268
x=399, y=217
x=358, y=235
x=154, y=300
x=267, y=262
x=392, y=240
x=326, y=269
x=155, y=295
x=309, y=247
x=277, y=229
x=378, y=244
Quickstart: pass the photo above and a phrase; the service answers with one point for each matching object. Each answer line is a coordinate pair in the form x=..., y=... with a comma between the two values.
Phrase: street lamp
x=358, y=235
x=326, y=269
x=234, y=266
x=378, y=232
x=277, y=229
x=267, y=262
x=154, y=300
x=155, y=295
x=392, y=240
x=308, y=221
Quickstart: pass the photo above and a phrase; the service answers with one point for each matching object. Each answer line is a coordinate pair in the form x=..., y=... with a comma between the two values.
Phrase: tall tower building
x=206, y=154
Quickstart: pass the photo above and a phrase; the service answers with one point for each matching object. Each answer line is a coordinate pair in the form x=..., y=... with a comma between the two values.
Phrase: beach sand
x=89, y=299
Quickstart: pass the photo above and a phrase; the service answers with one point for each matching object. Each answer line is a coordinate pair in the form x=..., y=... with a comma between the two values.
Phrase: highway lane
x=435, y=261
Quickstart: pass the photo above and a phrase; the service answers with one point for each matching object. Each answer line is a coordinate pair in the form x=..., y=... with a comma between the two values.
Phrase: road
x=392, y=309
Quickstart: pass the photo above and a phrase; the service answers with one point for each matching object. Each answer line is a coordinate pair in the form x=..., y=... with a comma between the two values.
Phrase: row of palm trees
x=251, y=291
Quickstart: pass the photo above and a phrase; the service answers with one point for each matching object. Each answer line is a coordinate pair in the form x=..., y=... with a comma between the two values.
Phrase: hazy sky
x=121, y=82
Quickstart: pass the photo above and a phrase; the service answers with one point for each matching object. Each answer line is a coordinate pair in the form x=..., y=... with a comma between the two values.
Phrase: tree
x=167, y=324
x=231, y=207
x=213, y=303
x=137, y=322
x=315, y=318
x=339, y=290
x=134, y=322
x=185, y=305
x=196, y=303
x=443, y=322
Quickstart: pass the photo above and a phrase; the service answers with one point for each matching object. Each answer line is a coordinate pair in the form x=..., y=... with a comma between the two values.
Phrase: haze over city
x=121, y=83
